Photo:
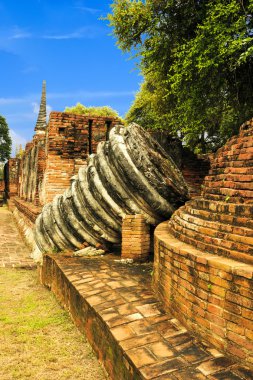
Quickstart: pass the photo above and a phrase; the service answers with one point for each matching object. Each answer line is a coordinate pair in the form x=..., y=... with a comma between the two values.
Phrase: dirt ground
x=37, y=338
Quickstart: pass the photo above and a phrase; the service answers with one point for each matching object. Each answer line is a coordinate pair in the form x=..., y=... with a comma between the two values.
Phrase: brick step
x=240, y=209
x=242, y=142
x=216, y=172
x=233, y=159
x=207, y=244
x=243, y=163
x=224, y=193
x=235, y=177
x=228, y=199
x=206, y=292
x=114, y=305
x=236, y=143
x=231, y=184
x=225, y=238
x=237, y=221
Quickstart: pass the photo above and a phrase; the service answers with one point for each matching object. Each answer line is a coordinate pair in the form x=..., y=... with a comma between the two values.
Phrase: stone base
x=211, y=295
x=114, y=306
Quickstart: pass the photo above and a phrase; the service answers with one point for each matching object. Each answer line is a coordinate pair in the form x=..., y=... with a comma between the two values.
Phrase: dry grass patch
x=37, y=338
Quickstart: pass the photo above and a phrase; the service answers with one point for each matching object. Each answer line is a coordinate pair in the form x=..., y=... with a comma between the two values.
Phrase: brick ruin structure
x=51, y=159
x=203, y=269
x=2, y=188
x=58, y=150
x=203, y=264
x=130, y=174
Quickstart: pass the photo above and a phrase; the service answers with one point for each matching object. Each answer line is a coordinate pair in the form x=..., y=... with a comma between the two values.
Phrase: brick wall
x=203, y=270
x=135, y=238
x=11, y=177
x=230, y=177
x=194, y=169
x=220, y=221
x=53, y=157
x=70, y=139
x=31, y=171
x=211, y=295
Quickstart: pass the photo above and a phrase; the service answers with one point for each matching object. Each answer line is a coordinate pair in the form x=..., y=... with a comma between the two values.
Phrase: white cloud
x=18, y=33
x=17, y=140
x=19, y=36
x=49, y=109
x=90, y=94
x=36, y=107
x=88, y=10
x=29, y=69
x=85, y=32
x=6, y=101
x=65, y=95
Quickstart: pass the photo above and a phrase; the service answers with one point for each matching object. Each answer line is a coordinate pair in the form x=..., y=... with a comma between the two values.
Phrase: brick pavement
x=114, y=305
x=13, y=251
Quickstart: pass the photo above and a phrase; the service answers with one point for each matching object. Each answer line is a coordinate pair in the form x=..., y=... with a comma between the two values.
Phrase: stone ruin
x=203, y=269
x=55, y=154
x=130, y=174
x=203, y=264
x=58, y=150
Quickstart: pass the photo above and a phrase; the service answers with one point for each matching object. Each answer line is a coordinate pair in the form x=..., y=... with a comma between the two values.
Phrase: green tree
x=1, y=172
x=196, y=59
x=5, y=140
x=80, y=109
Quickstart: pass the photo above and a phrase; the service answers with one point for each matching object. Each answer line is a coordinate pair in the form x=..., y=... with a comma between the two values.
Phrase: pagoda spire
x=42, y=117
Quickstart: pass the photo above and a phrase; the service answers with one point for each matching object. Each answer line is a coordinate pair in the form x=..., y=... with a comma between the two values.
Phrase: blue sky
x=65, y=43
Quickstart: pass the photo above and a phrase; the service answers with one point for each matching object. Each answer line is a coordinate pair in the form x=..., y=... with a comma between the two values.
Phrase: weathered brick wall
x=230, y=177
x=211, y=295
x=203, y=268
x=221, y=221
x=51, y=159
x=194, y=169
x=26, y=208
x=11, y=177
x=135, y=238
x=70, y=139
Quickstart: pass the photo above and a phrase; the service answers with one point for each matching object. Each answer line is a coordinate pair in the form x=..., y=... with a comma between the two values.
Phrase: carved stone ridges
x=42, y=117
x=130, y=174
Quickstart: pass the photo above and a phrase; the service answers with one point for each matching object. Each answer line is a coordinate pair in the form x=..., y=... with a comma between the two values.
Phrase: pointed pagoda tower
x=41, y=124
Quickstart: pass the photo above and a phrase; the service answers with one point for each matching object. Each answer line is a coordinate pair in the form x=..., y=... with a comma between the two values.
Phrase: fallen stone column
x=130, y=174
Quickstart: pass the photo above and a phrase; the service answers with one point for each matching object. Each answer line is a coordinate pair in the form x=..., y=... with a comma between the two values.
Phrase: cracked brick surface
x=113, y=303
x=13, y=251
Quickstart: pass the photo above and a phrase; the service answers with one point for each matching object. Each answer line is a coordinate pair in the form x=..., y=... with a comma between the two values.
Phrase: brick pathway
x=13, y=251
x=154, y=344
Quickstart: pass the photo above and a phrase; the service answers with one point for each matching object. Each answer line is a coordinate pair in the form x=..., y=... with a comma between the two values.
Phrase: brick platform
x=113, y=304
x=13, y=252
x=204, y=254
x=211, y=295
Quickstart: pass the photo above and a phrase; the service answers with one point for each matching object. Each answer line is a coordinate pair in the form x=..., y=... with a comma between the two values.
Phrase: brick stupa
x=203, y=270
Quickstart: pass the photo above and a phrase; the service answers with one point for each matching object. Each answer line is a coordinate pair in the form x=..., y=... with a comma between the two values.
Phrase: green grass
x=37, y=338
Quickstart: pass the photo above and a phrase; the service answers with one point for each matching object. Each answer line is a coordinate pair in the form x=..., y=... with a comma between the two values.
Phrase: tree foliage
x=80, y=109
x=196, y=59
x=5, y=140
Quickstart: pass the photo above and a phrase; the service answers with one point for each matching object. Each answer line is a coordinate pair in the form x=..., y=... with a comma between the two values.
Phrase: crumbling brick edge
x=209, y=294
x=88, y=321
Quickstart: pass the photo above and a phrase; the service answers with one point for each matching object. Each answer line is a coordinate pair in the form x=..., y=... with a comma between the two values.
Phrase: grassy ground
x=37, y=338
